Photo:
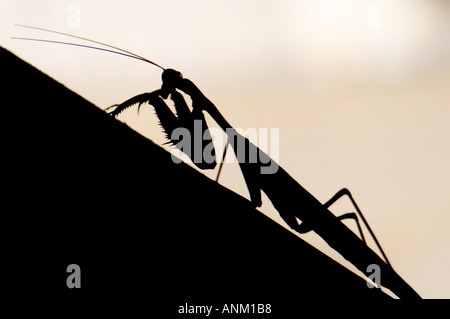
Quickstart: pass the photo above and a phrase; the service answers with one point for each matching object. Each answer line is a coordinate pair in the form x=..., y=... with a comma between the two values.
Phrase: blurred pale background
x=358, y=89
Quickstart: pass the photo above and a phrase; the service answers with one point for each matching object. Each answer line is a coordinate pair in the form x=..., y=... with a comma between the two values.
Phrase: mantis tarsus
x=290, y=199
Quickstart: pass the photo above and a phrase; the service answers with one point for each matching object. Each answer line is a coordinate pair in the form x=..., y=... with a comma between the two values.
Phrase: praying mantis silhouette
x=290, y=199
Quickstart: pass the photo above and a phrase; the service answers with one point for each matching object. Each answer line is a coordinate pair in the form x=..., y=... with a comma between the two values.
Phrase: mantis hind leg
x=305, y=227
x=346, y=192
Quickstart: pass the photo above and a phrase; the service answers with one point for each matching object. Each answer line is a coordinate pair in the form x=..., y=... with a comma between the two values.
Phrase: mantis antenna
x=125, y=52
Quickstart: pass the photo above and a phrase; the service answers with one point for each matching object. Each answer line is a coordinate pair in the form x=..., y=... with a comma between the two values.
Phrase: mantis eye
x=171, y=75
x=170, y=78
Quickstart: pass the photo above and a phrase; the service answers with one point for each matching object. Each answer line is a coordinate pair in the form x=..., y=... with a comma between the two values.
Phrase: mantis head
x=171, y=79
